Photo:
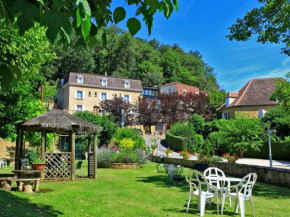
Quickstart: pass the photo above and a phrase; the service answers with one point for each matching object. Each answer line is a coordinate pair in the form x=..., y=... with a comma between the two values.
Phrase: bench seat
x=24, y=184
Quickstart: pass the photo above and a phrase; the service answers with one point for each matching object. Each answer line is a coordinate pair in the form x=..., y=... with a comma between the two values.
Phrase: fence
x=58, y=166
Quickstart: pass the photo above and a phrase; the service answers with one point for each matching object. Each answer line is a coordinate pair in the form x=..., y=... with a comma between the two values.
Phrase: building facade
x=150, y=93
x=84, y=92
x=254, y=99
x=180, y=88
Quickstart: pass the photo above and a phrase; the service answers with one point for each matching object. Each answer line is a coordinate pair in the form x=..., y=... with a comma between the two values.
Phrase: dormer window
x=104, y=82
x=80, y=79
x=127, y=84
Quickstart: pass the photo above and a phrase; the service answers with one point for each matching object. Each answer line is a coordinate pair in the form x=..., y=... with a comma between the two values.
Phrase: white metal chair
x=199, y=187
x=241, y=192
x=3, y=163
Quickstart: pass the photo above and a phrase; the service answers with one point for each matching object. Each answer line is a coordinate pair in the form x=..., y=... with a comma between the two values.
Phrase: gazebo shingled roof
x=58, y=120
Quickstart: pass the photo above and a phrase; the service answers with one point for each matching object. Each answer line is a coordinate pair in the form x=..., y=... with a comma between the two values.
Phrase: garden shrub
x=105, y=157
x=198, y=122
x=128, y=156
x=195, y=142
x=174, y=142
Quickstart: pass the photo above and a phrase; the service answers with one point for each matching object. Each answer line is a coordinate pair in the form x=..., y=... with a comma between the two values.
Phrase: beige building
x=253, y=99
x=84, y=92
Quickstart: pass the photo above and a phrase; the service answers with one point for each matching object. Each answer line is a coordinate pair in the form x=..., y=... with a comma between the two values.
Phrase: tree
x=86, y=18
x=148, y=112
x=270, y=22
x=28, y=53
x=241, y=133
x=152, y=79
x=109, y=127
x=116, y=107
x=198, y=122
x=282, y=90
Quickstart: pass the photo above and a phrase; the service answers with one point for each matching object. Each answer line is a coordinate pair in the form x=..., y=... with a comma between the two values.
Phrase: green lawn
x=136, y=192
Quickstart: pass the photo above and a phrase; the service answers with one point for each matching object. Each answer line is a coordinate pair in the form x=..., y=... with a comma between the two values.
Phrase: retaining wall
x=274, y=176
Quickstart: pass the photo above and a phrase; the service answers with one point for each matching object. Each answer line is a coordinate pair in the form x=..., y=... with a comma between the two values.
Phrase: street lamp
x=268, y=124
x=158, y=137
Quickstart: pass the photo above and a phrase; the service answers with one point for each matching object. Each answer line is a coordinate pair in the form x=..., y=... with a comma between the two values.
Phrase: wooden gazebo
x=60, y=165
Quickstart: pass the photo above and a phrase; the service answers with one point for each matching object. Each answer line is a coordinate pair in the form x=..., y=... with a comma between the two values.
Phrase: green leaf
x=9, y=75
x=86, y=26
x=55, y=20
x=26, y=8
x=104, y=38
x=92, y=42
x=84, y=7
x=94, y=30
x=175, y=4
x=78, y=18
x=119, y=14
x=24, y=23
x=133, y=25
x=58, y=4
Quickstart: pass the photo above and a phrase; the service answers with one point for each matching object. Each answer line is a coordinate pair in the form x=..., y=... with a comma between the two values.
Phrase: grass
x=135, y=192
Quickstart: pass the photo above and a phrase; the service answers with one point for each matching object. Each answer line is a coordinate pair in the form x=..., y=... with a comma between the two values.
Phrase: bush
x=197, y=122
x=126, y=157
x=105, y=157
x=174, y=142
x=195, y=143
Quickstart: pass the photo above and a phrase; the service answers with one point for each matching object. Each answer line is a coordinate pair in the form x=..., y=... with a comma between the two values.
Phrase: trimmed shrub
x=105, y=157
x=198, y=122
x=174, y=142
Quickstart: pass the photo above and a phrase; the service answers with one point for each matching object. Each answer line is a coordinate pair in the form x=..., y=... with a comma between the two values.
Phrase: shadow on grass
x=161, y=181
x=270, y=191
x=12, y=205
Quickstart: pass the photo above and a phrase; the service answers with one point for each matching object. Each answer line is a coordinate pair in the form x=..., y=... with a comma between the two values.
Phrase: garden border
x=268, y=175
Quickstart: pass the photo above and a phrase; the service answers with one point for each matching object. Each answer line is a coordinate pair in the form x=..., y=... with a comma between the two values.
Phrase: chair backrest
x=247, y=183
x=172, y=170
x=79, y=165
x=196, y=180
x=215, y=172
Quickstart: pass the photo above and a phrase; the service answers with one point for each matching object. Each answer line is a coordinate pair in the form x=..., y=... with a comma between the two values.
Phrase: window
x=104, y=82
x=261, y=113
x=126, y=98
x=79, y=108
x=95, y=108
x=114, y=95
x=127, y=84
x=150, y=92
x=89, y=93
x=79, y=94
x=96, y=94
x=146, y=92
x=103, y=96
x=80, y=79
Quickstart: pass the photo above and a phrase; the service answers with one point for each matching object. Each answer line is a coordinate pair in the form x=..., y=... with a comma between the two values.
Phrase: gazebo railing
x=58, y=165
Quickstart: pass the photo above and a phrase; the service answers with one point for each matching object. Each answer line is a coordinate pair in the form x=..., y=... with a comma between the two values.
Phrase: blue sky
x=203, y=25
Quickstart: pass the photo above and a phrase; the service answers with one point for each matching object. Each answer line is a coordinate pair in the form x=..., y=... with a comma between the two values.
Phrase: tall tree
x=86, y=18
x=270, y=22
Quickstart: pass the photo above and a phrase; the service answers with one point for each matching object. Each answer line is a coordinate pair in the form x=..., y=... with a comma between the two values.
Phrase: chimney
x=106, y=74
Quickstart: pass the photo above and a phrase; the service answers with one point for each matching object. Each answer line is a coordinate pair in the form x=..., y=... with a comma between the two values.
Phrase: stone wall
x=274, y=176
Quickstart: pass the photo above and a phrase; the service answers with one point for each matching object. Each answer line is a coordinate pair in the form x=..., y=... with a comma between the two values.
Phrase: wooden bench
x=24, y=184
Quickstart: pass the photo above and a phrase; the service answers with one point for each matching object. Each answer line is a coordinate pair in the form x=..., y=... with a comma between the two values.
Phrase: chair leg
x=236, y=205
x=217, y=202
x=242, y=206
x=252, y=204
x=223, y=203
x=189, y=198
x=202, y=205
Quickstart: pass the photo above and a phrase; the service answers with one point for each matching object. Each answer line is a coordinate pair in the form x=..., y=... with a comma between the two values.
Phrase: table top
x=28, y=171
x=229, y=179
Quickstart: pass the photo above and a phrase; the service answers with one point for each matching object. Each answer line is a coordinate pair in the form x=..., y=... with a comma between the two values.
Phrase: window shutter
x=223, y=116
x=76, y=108
x=84, y=94
x=129, y=98
x=100, y=96
x=76, y=94
x=107, y=96
x=83, y=108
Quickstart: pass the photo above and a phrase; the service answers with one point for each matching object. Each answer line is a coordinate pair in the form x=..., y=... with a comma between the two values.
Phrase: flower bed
x=124, y=166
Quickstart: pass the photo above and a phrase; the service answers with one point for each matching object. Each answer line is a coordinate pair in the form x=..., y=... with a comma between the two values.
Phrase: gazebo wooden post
x=42, y=150
x=22, y=146
x=89, y=151
x=17, y=154
x=95, y=155
x=72, y=156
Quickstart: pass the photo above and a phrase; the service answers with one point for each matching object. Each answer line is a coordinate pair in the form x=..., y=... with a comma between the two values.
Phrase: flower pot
x=38, y=166
x=12, y=153
x=168, y=154
x=153, y=153
x=185, y=157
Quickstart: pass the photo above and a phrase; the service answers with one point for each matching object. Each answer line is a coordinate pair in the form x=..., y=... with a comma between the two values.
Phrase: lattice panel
x=58, y=165
x=91, y=165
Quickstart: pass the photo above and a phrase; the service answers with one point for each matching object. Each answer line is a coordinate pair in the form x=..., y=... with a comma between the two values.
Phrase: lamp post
x=268, y=124
x=158, y=137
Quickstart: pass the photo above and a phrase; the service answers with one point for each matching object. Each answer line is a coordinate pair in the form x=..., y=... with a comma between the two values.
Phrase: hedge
x=174, y=142
x=280, y=151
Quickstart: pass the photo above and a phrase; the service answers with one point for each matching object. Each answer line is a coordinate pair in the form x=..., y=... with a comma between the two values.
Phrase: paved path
x=249, y=161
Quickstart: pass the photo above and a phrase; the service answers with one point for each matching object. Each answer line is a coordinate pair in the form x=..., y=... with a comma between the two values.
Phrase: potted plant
x=38, y=164
x=230, y=158
x=168, y=152
x=153, y=147
x=12, y=152
x=161, y=132
x=185, y=154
